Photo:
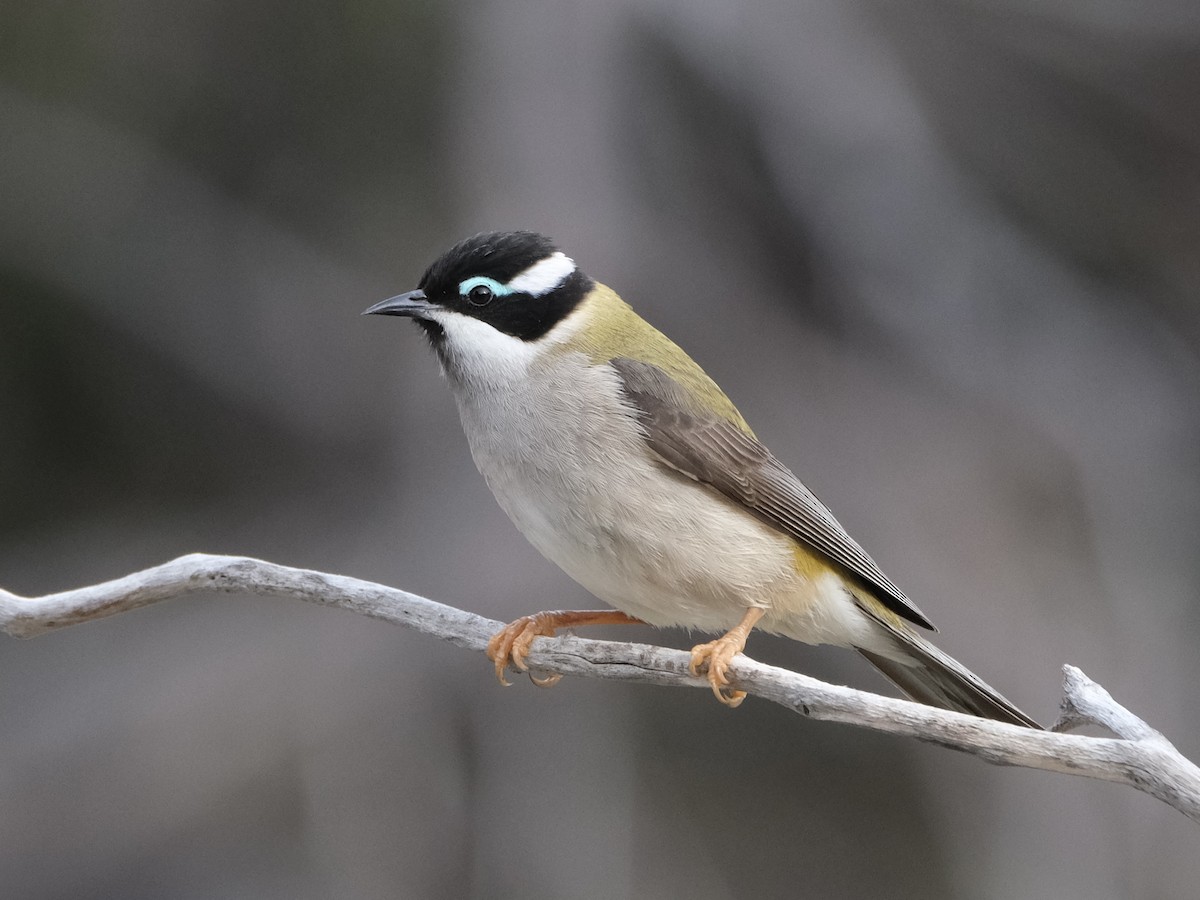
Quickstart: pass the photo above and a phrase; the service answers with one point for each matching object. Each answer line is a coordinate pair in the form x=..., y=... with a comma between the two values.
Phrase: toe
x=521, y=645
x=499, y=650
x=701, y=654
x=718, y=679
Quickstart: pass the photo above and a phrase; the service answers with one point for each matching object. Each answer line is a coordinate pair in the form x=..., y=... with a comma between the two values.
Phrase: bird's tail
x=930, y=676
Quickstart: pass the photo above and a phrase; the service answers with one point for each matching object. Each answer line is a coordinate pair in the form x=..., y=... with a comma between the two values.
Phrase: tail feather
x=939, y=680
x=928, y=675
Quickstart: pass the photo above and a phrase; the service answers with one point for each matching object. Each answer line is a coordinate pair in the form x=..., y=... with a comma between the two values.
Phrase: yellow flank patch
x=616, y=325
x=810, y=564
x=877, y=609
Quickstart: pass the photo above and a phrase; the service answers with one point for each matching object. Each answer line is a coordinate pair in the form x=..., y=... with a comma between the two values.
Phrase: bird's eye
x=481, y=290
x=480, y=295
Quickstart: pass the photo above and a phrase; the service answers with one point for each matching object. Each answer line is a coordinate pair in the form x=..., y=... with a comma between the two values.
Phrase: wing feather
x=717, y=452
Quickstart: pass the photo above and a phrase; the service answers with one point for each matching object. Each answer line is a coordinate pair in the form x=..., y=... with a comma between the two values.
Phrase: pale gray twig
x=1139, y=756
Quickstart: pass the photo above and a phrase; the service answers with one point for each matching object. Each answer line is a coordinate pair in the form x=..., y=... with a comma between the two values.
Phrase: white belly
x=578, y=481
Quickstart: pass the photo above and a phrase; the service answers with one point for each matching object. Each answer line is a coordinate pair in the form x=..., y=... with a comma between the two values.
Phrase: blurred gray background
x=943, y=254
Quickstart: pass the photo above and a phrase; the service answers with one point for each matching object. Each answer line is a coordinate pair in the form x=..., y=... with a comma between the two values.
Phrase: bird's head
x=496, y=294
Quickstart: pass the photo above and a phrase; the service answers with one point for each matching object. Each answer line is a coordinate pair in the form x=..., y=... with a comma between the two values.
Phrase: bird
x=622, y=462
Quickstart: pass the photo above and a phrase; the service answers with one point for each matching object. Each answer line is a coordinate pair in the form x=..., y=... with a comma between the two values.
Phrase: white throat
x=476, y=355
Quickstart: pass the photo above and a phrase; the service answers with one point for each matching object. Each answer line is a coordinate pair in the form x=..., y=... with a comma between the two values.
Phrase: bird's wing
x=715, y=451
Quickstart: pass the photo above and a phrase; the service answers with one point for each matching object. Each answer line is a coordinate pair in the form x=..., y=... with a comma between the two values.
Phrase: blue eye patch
x=497, y=289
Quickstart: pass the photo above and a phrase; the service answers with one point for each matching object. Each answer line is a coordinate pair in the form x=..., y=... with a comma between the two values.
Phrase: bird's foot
x=511, y=644
x=715, y=657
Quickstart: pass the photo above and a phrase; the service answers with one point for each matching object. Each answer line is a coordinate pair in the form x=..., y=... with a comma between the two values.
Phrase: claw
x=549, y=681
x=715, y=657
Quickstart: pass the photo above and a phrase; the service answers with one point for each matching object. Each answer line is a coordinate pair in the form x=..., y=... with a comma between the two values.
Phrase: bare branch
x=1140, y=756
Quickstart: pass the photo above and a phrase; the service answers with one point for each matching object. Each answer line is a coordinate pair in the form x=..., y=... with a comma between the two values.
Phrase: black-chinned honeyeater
x=624, y=463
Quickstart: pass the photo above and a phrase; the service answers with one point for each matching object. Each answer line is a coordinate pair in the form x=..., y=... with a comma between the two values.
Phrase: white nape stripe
x=544, y=276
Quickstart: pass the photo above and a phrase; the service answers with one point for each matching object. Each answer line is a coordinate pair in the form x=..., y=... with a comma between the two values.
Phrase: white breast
x=565, y=457
x=566, y=460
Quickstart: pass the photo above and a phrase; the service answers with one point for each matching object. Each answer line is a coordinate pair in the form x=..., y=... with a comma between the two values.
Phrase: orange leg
x=715, y=656
x=510, y=645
